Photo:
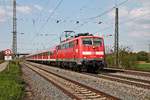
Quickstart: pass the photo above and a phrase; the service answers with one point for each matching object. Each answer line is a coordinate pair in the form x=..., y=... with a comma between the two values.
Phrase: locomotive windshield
x=97, y=41
x=92, y=41
x=87, y=41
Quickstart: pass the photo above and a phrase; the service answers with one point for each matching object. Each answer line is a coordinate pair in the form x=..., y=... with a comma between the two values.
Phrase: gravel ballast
x=132, y=76
x=41, y=88
x=120, y=90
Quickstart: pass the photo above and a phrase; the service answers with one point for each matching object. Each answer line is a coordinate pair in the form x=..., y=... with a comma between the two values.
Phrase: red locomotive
x=79, y=52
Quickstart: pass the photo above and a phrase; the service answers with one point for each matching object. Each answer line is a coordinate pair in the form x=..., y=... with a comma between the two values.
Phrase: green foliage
x=148, y=61
x=142, y=56
x=127, y=59
x=11, y=84
x=110, y=60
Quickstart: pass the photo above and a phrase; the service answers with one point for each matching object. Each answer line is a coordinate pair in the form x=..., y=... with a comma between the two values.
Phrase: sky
x=40, y=23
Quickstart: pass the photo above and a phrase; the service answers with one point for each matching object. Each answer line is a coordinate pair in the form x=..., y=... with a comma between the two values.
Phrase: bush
x=110, y=60
x=127, y=59
x=142, y=56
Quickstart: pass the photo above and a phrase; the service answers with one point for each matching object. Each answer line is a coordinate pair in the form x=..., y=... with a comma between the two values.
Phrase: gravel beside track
x=41, y=88
x=131, y=72
x=72, y=88
x=131, y=76
x=122, y=91
x=126, y=80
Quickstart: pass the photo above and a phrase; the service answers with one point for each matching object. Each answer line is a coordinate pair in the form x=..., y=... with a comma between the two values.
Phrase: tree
x=127, y=58
x=142, y=56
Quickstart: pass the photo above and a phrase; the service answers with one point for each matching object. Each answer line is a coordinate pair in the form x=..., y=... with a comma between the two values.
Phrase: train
x=81, y=52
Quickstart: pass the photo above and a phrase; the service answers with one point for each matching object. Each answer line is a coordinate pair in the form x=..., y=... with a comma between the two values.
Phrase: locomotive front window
x=97, y=41
x=87, y=41
x=92, y=41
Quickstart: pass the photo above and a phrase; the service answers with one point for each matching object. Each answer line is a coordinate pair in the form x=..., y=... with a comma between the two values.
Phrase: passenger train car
x=82, y=52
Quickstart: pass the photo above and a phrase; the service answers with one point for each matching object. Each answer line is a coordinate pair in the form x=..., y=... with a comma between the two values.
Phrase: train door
x=76, y=50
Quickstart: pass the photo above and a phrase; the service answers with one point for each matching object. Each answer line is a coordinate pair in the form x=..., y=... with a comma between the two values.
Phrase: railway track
x=73, y=89
x=132, y=72
x=142, y=83
x=127, y=80
x=125, y=77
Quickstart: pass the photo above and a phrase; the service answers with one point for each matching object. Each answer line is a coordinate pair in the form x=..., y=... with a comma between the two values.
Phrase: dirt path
x=3, y=66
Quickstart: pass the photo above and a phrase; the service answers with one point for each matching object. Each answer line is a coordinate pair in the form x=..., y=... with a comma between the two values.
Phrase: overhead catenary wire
x=90, y=18
x=77, y=22
x=100, y=15
x=48, y=18
x=51, y=14
x=123, y=22
x=57, y=21
x=107, y=11
x=41, y=12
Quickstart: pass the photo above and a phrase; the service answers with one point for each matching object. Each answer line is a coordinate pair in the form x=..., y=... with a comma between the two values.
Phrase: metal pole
x=14, y=48
x=116, y=47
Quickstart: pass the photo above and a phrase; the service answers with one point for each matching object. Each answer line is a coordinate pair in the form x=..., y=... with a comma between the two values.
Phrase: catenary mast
x=14, y=44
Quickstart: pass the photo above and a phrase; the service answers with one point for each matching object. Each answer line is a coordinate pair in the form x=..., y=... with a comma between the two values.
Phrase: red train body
x=79, y=53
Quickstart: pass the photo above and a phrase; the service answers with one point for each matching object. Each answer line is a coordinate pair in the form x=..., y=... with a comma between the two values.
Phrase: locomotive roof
x=75, y=38
x=69, y=40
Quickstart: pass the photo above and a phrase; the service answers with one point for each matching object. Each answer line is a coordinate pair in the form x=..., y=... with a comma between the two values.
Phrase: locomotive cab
x=92, y=52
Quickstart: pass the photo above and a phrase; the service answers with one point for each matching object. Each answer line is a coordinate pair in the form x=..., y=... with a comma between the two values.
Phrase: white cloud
x=140, y=26
x=50, y=11
x=38, y=7
x=138, y=34
x=2, y=15
x=24, y=9
x=137, y=19
x=140, y=11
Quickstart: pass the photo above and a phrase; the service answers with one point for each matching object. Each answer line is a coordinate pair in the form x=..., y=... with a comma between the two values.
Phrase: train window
x=67, y=45
x=97, y=41
x=87, y=41
x=49, y=53
x=57, y=47
x=63, y=46
x=71, y=44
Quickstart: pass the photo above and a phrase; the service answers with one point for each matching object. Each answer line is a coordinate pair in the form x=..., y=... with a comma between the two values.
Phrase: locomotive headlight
x=76, y=50
x=86, y=52
x=84, y=57
x=100, y=53
x=101, y=57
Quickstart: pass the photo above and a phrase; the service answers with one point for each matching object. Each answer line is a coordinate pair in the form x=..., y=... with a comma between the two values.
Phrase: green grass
x=11, y=84
x=143, y=67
